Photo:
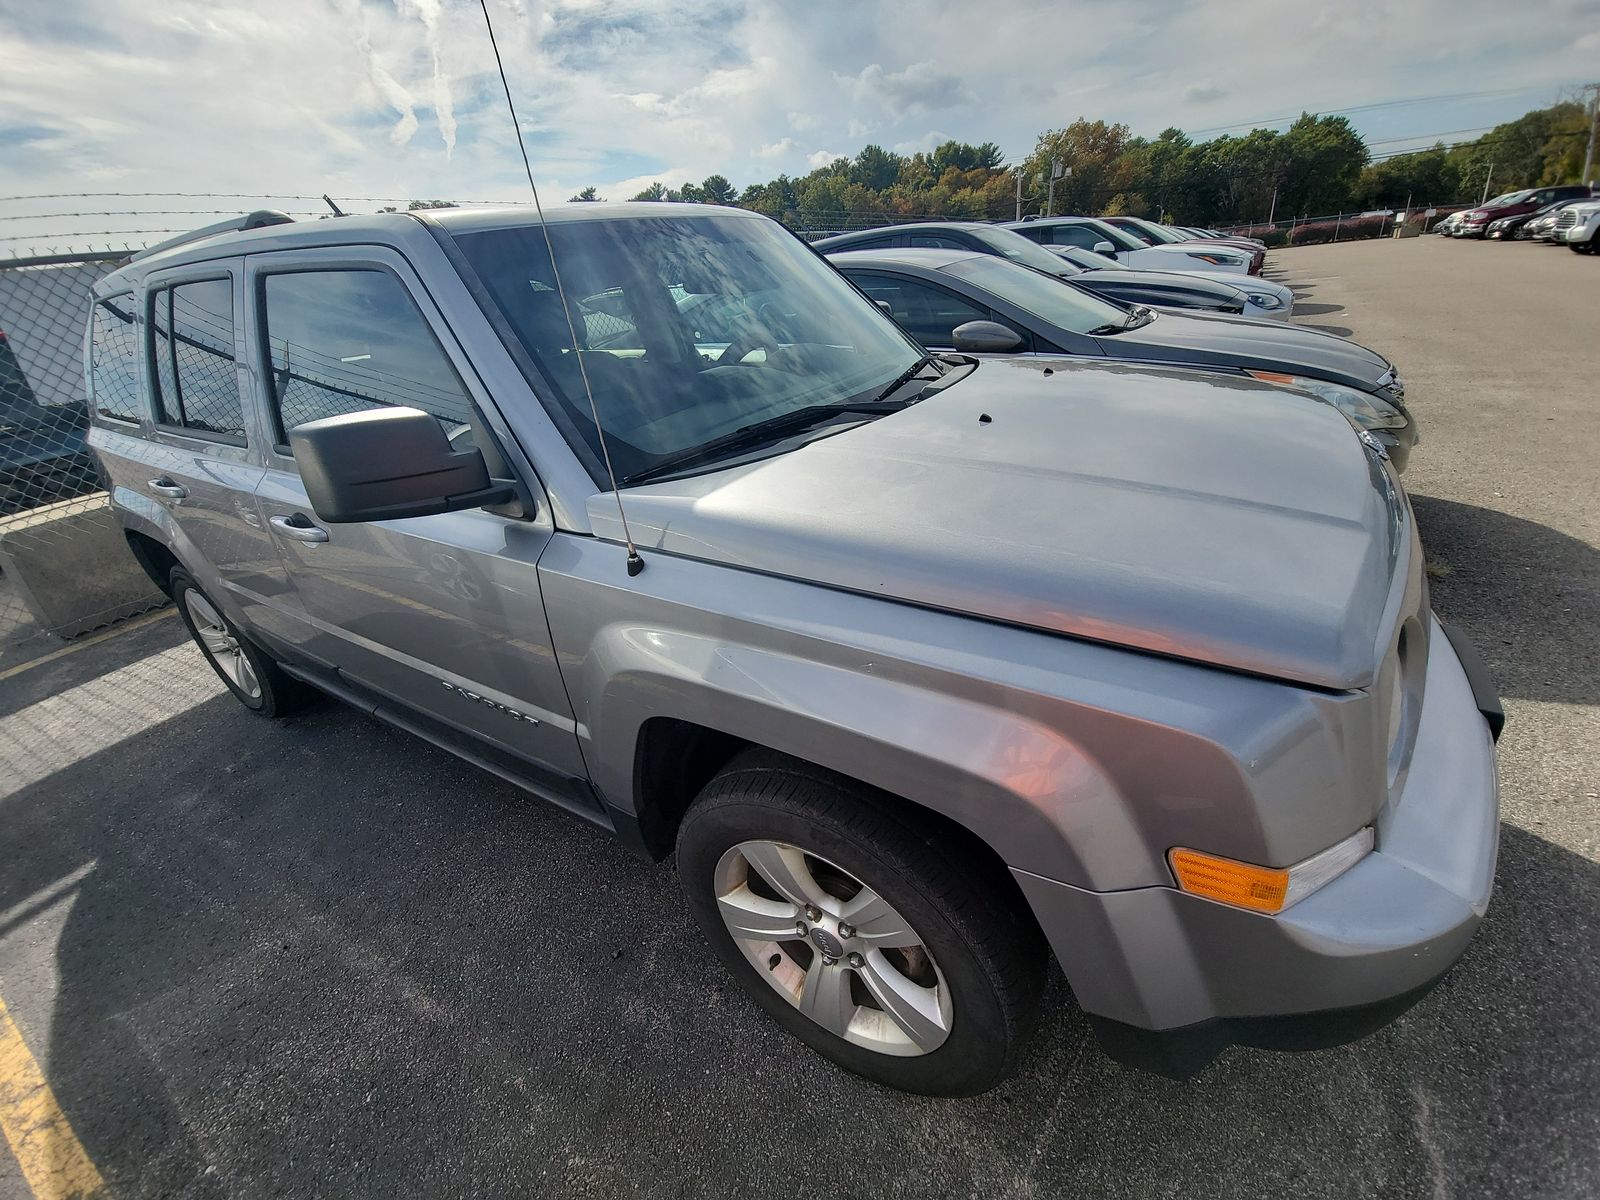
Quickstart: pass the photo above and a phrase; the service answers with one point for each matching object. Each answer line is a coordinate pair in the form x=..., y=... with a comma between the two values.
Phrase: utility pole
x=1057, y=169
x=1594, y=130
x=1486, y=179
x=1273, y=211
x=1018, y=173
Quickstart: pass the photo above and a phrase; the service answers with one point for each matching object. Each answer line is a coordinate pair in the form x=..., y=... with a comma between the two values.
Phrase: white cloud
x=400, y=98
x=919, y=88
x=821, y=158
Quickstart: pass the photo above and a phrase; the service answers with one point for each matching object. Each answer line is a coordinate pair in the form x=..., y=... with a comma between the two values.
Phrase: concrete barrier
x=72, y=568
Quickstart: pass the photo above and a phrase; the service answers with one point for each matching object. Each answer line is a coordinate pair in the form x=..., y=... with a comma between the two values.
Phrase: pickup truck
x=927, y=669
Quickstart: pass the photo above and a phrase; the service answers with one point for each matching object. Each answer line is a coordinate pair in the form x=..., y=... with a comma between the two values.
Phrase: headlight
x=1264, y=300
x=1361, y=410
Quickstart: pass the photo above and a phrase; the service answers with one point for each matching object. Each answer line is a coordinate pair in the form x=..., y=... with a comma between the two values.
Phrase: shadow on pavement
x=320, y=958
x=1529, y=595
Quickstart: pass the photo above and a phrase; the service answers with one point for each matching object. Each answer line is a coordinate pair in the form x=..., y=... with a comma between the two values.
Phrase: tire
x=938, y=988
x=255, y=680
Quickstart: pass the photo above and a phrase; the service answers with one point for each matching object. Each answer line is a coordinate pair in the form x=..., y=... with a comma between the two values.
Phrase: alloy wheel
x=833, y=947
x=220, y=645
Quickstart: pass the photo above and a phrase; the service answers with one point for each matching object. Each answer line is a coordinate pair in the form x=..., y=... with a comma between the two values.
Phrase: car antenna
x=328, y=200
x=635, y=563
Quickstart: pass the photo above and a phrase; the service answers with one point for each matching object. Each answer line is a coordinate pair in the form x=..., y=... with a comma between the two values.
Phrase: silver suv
x=926, y=668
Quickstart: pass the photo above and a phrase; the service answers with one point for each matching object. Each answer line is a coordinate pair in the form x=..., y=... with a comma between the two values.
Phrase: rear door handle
x=165, y=487
x=298, y=527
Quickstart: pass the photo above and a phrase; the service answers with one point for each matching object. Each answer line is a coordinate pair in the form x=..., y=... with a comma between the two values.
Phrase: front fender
x=1078, y=762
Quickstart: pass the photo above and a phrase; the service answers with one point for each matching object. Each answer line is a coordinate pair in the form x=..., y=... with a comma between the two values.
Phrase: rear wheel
x=255, y=680
x=867, y=936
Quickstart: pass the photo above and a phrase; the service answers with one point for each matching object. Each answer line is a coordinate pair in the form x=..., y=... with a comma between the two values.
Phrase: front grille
x=1567, y=219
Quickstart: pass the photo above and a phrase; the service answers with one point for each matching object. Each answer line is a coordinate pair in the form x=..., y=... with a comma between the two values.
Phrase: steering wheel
x=758, y=336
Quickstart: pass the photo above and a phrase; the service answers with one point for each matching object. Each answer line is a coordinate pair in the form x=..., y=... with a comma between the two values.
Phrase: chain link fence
x=50, y=489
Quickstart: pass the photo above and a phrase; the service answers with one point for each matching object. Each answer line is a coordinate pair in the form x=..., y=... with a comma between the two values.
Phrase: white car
x=1090, y=234
x=1579, y=227
x=1267, y=300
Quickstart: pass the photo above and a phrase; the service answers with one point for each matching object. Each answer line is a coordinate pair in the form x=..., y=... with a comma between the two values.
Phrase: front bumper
x=1584, y=231
x=1168, y=979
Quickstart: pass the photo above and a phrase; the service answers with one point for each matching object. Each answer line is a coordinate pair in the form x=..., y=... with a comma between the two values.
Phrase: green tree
x=876, y=168
x=717, y=190
x=417, y=205
x=1320, y=162
x=1095, y=152
x=656, y=191
x=588, y=195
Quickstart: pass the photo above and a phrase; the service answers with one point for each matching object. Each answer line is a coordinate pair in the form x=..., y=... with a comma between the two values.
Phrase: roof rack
x=259, y=219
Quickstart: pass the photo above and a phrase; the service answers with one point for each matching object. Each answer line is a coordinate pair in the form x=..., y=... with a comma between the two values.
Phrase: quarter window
x=114, y=360
x=196, y=377
x=344, y=341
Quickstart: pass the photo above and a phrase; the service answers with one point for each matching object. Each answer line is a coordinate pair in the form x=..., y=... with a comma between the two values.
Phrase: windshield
x=1019, y=249
x=1117, y=237
x=1508, y=198
x=1054, y=300
x=691, y=328
x=1159, y=233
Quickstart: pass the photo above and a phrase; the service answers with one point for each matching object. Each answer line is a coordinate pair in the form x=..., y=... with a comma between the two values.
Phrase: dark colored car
x=1153, y=234
x=977, y=303
x=1518, y=226
x=1166, y=288
x=43, y=457
x=1475, y=222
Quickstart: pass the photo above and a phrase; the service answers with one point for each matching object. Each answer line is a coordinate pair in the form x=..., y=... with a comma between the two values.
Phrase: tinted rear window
x=114, y=359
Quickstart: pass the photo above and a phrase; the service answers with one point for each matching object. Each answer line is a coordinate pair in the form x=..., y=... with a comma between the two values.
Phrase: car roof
x=927, y=260
x=357, y=227
x=1052, y=221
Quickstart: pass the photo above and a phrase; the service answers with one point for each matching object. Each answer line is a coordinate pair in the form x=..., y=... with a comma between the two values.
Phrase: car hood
x=1216, y=520
x=1252, y=345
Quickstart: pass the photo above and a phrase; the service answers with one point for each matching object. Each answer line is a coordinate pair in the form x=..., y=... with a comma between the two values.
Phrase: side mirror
x=386, y=463
x=985, y=337
x=1105, y=248
x=887, y=309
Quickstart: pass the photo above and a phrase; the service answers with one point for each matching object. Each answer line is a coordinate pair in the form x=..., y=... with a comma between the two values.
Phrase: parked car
x=1090, y=233
x=1579, y=226
x=1447, y=225
x=1476, y=221
x=1265, y=298
x=1154, y=234
x=43, y=456
x=924, y=666
x=1167, y=288
x=937, y=294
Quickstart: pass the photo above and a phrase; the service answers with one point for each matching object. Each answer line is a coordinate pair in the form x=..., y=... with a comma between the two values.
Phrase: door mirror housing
x=386, y=463
x=1105, y=248
x=985, y=337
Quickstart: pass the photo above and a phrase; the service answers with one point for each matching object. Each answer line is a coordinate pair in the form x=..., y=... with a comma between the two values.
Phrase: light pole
x=1488, y=176
x=1594, y=129
x=1057, y=170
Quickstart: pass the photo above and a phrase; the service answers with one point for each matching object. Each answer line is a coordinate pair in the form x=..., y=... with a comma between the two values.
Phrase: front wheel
x=863, y=933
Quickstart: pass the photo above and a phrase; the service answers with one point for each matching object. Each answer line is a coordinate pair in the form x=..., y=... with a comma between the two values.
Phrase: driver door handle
x=298, y=527
x=163, y=486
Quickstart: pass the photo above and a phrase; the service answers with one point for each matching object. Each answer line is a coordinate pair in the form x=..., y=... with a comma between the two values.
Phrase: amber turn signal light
x=1260, y=889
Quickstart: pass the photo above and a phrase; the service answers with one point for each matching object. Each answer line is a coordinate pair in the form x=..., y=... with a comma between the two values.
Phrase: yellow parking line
x=51, y=1157
x=85, y=643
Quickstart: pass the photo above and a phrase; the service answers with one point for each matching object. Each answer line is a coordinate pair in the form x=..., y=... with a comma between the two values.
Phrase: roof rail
x=259, y=219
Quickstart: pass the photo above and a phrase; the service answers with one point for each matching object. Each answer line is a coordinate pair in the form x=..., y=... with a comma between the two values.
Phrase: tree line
x=1319, y=165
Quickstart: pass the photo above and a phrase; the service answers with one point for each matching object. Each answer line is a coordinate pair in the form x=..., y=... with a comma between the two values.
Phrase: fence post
x=1337, y=221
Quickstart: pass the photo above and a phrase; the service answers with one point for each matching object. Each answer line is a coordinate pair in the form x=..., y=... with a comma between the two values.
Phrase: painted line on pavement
x=52, y=1159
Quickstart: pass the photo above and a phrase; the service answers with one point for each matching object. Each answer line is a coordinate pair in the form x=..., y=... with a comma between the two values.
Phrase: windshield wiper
x=904, y=377
x=1131, y=321
x=760, y=433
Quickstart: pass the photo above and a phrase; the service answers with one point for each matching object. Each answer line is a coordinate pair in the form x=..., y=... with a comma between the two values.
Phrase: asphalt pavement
x=319, y=958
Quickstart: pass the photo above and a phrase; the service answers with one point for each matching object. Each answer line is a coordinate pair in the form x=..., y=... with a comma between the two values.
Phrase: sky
x=399, y=98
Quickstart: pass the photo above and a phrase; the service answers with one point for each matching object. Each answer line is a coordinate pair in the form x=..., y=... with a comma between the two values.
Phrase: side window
x=114, y=359
x=1075, y=235
x=191, y=341
x=341, y=341
x=926, y=312
x=927, y=241
x=882, y=243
